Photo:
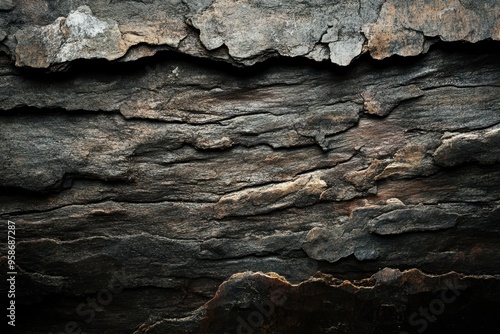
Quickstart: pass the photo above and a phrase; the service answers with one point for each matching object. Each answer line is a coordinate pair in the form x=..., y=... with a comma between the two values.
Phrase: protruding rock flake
x=250, y=30
x=402, y=26
x=250, y=166
x=79, y=36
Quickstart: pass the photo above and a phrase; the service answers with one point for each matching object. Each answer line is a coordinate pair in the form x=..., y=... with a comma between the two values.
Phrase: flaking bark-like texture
x=236, y=197
x=46, y=33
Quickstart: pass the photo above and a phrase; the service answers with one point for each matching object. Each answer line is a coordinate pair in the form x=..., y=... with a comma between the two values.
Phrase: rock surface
x=156, y=189
x=45, y=34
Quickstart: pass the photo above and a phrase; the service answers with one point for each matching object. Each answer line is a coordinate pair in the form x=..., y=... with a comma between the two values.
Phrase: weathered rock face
x=156, y=189
x=244, y=32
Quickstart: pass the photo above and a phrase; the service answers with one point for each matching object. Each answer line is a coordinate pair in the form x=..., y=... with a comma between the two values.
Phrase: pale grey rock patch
x=402, y=26
x=79, y=36
x=241, y=32
x=291, y=29
x=6, y=5
x=250, y=29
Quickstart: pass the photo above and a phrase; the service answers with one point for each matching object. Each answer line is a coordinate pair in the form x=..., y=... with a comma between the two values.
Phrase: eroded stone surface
x=84, y=34
x=176, y=174
x=381, y=104
x=250, y=301
x=305, y=190
x=480, y=146
x=412, y=220
x=242, y=32
x=402, y=26
x=290, y=29
x=79, y=36
x=6, y=5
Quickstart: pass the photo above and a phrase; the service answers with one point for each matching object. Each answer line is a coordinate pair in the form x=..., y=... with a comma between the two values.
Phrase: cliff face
x=180, y=166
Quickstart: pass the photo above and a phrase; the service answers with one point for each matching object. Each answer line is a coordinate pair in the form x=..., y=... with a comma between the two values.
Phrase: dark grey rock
x=175, y=176
x=7, y=5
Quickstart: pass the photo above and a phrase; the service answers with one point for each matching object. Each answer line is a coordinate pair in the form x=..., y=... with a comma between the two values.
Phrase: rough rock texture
x=157, y=190
x=45, y=33
x=380, y=304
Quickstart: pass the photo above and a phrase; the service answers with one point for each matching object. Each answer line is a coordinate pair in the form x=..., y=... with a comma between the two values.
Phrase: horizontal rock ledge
x=42, y=36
